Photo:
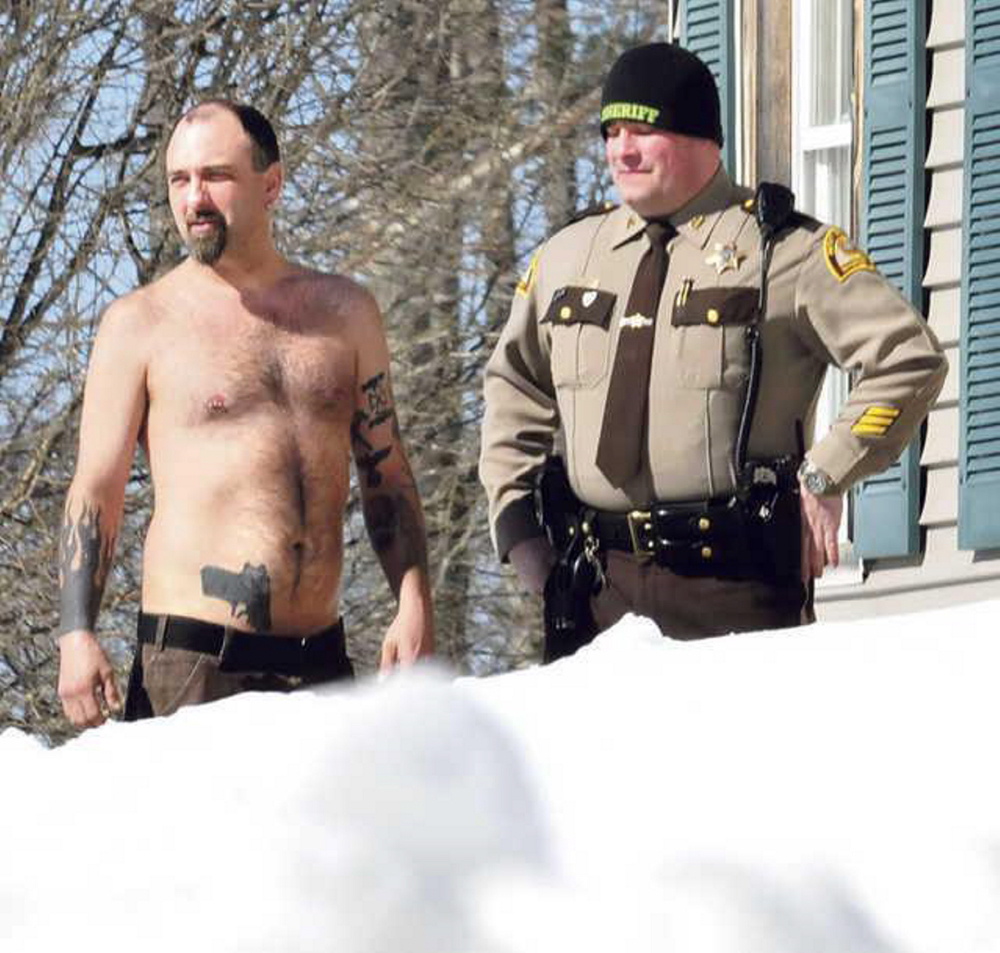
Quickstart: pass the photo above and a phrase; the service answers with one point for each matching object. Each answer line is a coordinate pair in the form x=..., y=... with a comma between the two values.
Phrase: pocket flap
x=572, y=305
x=716, y=307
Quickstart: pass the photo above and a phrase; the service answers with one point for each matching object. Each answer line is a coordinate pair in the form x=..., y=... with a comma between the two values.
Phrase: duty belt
x=700, y=537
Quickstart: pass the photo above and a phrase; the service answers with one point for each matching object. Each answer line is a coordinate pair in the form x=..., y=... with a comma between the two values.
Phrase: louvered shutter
x=707, y=31
x=886, y=506
x=979, y=440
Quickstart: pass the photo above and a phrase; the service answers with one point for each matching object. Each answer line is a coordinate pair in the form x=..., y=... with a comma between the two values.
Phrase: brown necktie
x=619, y=452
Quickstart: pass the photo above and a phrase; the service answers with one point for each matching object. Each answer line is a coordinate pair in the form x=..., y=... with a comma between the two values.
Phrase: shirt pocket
x=580, y=318
x=709, y=335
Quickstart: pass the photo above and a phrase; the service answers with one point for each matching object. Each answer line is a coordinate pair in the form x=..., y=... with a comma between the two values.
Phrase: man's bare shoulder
x=138, y=312
x=335, y=296
x=127, y=320
x=334, y=289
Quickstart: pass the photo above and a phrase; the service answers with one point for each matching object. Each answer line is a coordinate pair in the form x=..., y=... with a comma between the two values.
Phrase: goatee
x=207, y=248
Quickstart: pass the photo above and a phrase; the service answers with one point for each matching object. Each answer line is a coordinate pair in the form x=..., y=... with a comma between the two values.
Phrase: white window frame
x=808, y=138
x=739, y=172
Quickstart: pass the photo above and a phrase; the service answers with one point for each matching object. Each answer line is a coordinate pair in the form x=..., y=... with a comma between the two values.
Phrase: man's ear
x=274, y=177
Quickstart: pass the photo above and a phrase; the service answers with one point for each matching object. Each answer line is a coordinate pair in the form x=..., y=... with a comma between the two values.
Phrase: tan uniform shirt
x=547, y=381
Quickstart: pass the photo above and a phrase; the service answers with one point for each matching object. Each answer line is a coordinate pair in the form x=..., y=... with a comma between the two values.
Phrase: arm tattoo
x=365, y=455
x=395, y=530
x=376, y=389
x=378, y=410
x=84, y=561
x=248, y=592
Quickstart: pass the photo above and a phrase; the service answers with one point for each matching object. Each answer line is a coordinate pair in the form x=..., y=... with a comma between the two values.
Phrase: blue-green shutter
x=979, y=440
x=886, y=517
x=707, y=30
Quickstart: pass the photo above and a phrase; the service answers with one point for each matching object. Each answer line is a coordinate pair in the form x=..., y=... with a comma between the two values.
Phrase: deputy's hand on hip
x=820, y=523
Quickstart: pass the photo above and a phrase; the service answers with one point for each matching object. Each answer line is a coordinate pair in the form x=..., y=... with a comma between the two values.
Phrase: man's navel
x=298, y=557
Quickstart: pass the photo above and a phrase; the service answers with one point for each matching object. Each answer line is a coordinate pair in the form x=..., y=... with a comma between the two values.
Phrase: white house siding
x=942, y=574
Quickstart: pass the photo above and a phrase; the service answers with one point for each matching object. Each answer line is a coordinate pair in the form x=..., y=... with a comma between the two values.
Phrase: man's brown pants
x=165, y=677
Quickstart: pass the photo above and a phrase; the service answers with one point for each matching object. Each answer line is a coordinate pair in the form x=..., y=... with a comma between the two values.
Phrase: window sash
x=815, y=146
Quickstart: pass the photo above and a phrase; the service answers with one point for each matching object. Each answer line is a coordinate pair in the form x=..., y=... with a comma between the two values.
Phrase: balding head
x=263, y=141
x=223, y=179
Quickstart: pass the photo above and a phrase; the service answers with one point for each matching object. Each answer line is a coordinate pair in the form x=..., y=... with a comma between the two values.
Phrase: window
x=822, y=138
x=822, y=127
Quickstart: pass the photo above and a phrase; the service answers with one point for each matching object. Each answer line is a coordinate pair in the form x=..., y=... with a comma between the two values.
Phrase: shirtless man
x=249, y=381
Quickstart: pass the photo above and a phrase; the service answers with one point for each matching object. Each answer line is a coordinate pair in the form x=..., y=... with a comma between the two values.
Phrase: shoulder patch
x=528, y=279
x=842, y=258
x=599, y=208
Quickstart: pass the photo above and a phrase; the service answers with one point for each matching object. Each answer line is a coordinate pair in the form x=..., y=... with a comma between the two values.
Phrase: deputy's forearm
x=86, y=543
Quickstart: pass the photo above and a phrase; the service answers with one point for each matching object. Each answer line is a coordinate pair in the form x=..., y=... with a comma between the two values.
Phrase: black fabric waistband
x=239, y=651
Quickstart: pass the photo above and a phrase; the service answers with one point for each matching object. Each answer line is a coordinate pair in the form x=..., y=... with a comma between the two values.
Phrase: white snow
x=834, y=788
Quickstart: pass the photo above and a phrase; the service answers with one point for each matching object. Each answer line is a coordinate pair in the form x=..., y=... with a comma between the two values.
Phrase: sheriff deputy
x=647, y=405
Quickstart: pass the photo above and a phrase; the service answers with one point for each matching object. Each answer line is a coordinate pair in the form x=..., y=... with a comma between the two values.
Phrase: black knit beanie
x=662, y=85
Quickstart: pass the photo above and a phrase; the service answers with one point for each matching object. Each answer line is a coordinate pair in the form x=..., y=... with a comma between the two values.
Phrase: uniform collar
x=696, y=220
x=693, y=221
x=625, y=225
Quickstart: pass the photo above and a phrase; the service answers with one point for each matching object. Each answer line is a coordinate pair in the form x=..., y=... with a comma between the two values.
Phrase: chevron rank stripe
x=875, y=421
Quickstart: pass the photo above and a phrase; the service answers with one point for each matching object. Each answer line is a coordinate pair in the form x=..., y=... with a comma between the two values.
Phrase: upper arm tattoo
x=392, y=520
x=378, y=410
x=376, y=389
x=84, y=560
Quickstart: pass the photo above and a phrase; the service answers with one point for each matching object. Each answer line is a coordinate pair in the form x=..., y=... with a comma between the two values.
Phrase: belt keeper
x=161, y=633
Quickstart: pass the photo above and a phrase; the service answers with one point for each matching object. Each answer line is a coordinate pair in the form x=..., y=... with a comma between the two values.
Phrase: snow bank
x=829, y=789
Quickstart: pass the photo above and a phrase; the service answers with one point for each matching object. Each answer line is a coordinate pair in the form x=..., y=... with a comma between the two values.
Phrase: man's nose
x=627, y=146
x=195, y=194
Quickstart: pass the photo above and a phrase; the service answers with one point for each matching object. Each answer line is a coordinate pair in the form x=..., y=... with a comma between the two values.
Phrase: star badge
x=725, y=258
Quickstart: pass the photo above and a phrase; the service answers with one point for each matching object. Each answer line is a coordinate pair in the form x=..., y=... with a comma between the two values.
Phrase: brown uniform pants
x=695, y=607
x=165, y=678
x=684, y=607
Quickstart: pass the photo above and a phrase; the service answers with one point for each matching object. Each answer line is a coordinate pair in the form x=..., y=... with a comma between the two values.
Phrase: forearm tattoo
x=396, y=533
x=377, y=410
x=84, y=560
x=248, y=592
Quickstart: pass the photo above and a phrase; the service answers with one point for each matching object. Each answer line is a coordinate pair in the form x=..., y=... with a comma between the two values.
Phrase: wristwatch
x=816, y=481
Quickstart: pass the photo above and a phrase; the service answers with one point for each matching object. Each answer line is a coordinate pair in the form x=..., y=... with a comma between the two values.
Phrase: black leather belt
x=320, y=653
x=694, y=537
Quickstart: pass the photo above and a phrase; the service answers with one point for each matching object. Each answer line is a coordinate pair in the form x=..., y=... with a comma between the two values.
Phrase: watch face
x=817, y=482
